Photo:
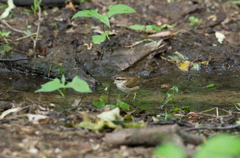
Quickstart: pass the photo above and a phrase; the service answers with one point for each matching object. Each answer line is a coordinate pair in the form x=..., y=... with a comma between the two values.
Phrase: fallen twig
x=16, y=30
x=18, y=39
x=11, y=60
x=211, y=128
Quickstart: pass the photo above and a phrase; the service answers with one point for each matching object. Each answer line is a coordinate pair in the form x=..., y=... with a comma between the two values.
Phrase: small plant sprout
x=104, y=18
x=4, y=34
x=210, y=85
x=100, y=104
x=35, y=6
x=194, y=21
x=54, y=24
x=170, y=94
x=77, y=84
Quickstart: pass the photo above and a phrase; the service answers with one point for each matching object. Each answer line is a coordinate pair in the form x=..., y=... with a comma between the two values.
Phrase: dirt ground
x=63, y=48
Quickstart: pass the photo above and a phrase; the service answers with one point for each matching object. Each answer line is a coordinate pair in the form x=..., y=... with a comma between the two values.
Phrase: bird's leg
x=135, y=94
x=126, y=97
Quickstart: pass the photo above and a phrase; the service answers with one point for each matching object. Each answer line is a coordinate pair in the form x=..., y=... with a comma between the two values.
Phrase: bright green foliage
x=186, y=108
x=93, y=13
x=77, y=84
x=220, y=146
x=103, y=18
x=194, y=20
x=97, y=39
x=35, y=6
x=176, y=109
x=121, y=104
x=100, y=104
x=209, y=86
x=235, y=2
x=51, y=86
x=137, y=27
x=113, y=9
x=169, y=150
x=87, y=13
x=119, y=9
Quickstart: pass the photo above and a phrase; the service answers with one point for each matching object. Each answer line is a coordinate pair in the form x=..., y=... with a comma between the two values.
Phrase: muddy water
x=192, y=90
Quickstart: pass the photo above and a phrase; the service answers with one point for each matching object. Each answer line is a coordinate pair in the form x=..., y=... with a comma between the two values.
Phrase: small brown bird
x=127, y=84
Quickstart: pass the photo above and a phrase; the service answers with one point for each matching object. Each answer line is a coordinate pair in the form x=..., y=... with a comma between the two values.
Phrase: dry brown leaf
x=70, y=5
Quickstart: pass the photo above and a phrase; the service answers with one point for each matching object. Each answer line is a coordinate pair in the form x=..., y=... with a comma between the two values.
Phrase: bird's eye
x=120, y=79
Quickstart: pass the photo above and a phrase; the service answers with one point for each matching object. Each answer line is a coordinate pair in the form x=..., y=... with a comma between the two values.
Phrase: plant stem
x=61, y=94
x=103, y=27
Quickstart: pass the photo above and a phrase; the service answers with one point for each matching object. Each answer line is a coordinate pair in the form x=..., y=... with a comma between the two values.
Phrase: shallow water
x=192, y=90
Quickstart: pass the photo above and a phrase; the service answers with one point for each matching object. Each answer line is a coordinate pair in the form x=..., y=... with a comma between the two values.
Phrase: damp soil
x=62, y=48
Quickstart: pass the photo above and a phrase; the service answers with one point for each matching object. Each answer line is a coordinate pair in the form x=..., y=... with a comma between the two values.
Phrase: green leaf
x=119, y=9
x=149, y=27
x=4, y=33
x=193, y=19
x=96, y=104
x=169, y=150
x=51, y=86
x=176, y=109
x=123, y=105
x=97, y=39
x=136, y=27
x=79, y=85
x=209, y=86
x=186, y=108
x=103, y=18
x=235, y=2
x=102, y=104
x=6, y=47
x=87, y=13
x=174, y=88
x=220, y=146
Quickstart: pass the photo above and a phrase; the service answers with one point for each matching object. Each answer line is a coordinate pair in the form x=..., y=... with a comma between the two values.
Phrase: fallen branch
x=145, y=136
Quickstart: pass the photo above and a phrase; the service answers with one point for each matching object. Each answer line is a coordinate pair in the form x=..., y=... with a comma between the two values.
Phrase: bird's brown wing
x=132, y=82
